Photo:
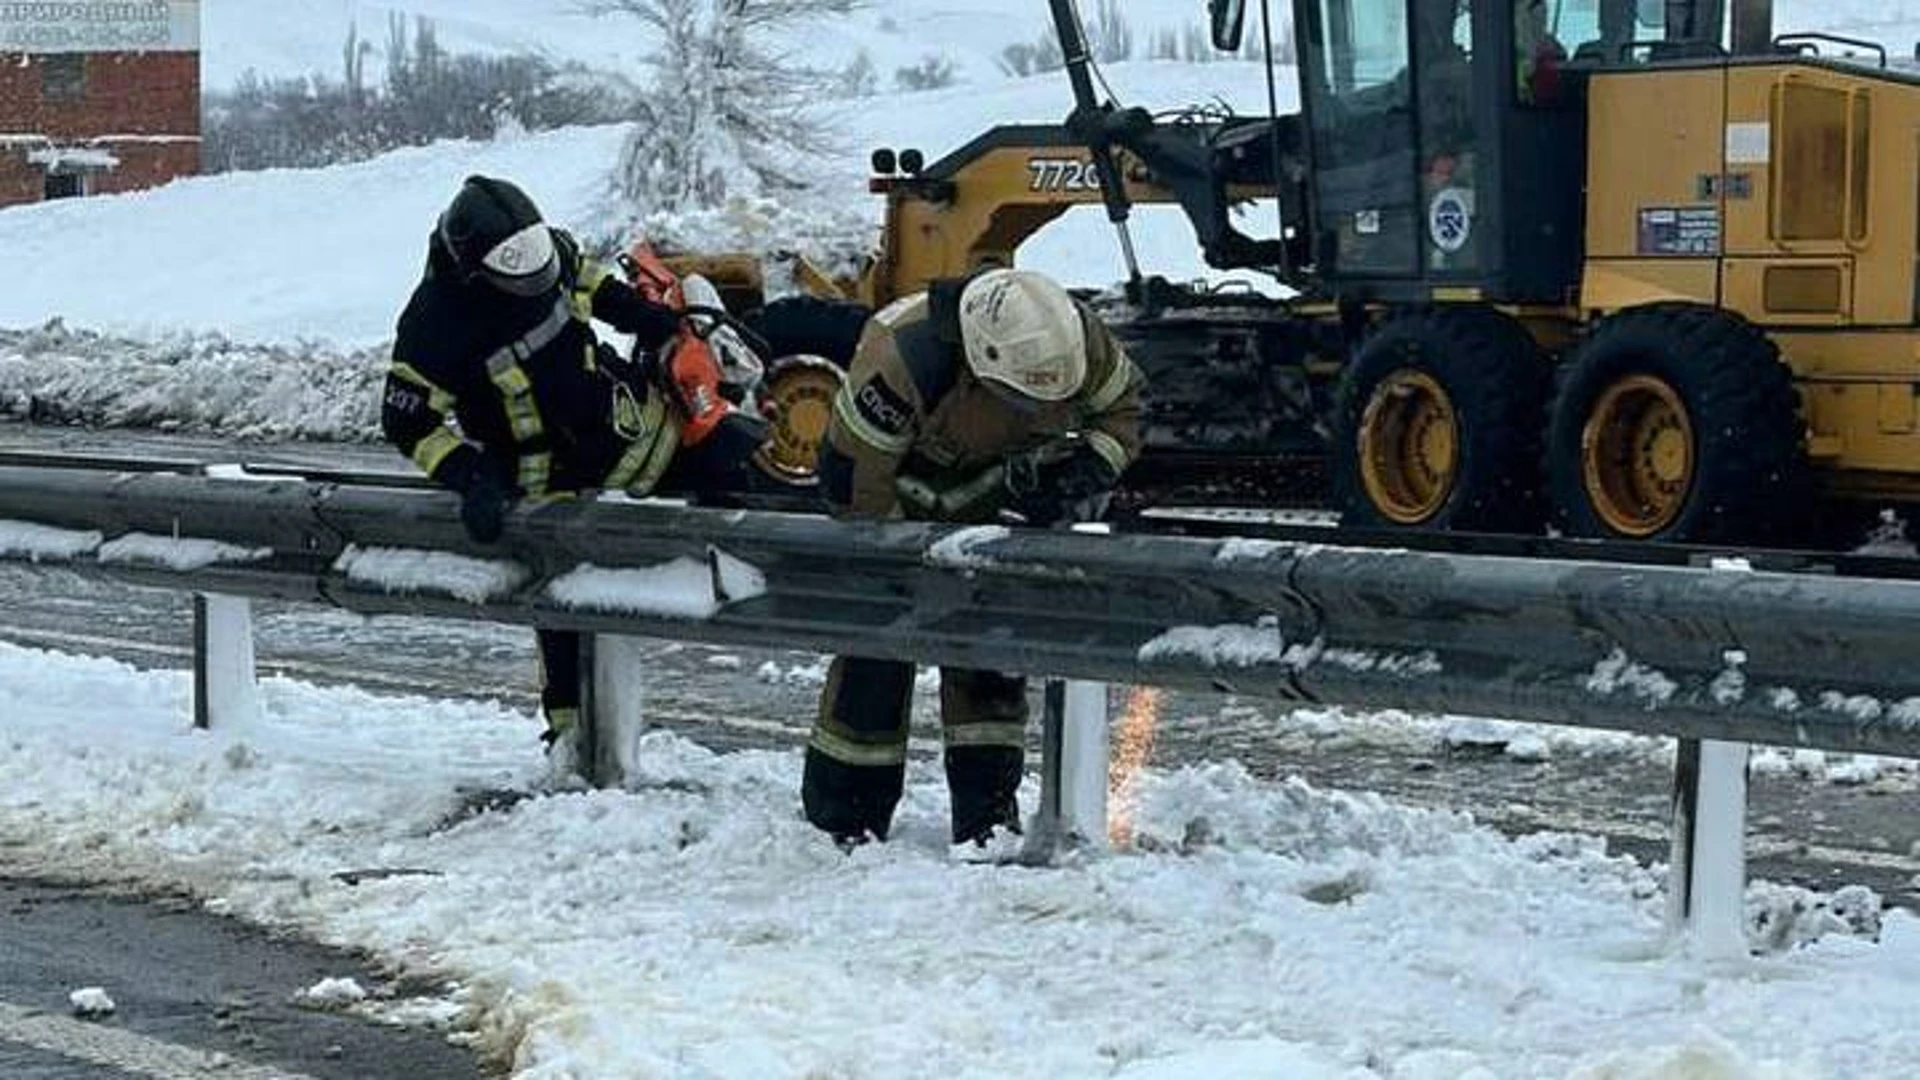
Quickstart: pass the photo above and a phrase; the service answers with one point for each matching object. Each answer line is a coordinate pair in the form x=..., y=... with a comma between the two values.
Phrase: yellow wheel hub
x=801, y=392
x=1409, y=447
x=1637, y=455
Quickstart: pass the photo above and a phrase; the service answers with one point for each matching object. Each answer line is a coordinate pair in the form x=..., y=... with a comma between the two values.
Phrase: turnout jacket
x=911, y=410
x=481, y=379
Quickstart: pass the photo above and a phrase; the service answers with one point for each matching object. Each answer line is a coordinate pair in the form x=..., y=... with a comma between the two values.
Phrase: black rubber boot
x=852, y=803
x=984, y=782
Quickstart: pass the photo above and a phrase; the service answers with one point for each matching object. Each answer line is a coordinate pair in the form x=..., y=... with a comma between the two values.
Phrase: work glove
x=484, y=505
x=1047, y=490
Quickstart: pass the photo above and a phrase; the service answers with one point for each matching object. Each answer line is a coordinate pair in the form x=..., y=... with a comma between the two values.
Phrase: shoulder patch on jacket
x=404, y=398
x=883, y=407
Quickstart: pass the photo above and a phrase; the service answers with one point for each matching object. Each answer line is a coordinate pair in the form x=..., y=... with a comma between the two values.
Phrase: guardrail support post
x=1084, y=762
x=611, y=718
x=224, y=685
x=1706, y=887
x=1073, y=771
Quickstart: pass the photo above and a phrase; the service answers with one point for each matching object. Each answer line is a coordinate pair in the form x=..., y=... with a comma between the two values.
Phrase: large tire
x=1675, y=422
x=811, y=326
x=1437, y=423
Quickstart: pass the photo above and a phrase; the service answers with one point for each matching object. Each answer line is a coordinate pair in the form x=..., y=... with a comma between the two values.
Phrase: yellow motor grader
x=1637, y=269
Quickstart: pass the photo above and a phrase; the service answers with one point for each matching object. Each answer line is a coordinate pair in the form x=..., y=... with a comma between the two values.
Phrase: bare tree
x=727, y=111
x=931, y=73
x=859, y=79
x=1109, y=36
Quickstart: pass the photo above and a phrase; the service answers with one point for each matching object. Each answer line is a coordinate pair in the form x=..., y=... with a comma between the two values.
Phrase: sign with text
x=68, y=26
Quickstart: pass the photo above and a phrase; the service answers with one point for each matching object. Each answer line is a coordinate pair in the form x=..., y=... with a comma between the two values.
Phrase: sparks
x=1133, y=744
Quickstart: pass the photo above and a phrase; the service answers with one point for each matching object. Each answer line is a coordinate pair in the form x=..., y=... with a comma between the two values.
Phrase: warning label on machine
x=1680, y=230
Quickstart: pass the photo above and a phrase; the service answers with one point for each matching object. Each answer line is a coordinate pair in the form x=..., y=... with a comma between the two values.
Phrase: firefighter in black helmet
x=498, y=339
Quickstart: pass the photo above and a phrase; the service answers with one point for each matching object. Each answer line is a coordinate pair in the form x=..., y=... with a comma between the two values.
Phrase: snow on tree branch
x=727, y=113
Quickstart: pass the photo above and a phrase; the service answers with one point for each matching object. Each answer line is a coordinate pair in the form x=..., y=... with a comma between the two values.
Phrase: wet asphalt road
x=195, y=996
x=1815, y=833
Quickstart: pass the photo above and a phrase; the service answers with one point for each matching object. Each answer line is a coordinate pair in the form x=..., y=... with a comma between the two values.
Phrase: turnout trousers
x=559, y=679
x=856, y=758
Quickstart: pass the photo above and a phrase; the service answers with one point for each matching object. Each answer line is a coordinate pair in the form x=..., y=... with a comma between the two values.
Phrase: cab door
x=1388, y=92
x=1356, y=81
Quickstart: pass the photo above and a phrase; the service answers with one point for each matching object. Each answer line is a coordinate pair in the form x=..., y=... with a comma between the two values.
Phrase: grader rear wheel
x=1636, y=456
x=1676, y=422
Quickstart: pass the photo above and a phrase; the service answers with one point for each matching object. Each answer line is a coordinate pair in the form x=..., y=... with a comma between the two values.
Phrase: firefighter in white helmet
x=993, y=395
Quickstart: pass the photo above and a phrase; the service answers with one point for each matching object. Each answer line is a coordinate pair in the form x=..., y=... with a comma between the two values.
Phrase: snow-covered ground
x=695, y=926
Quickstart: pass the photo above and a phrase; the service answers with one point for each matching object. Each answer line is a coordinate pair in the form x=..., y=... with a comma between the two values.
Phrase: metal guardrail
x=1717, y=656
x=1699, y=653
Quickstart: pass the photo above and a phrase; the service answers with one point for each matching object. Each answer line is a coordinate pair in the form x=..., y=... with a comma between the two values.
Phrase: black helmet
x=493, y=233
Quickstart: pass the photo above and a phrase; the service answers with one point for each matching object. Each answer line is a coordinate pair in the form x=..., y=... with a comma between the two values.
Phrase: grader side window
x=1365, y=48
x=1357, y=79
x=1545, y=35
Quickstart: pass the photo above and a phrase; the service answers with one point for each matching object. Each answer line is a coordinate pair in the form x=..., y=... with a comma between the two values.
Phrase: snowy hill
x=299, y=38
x=328, y=255
x=259, y=303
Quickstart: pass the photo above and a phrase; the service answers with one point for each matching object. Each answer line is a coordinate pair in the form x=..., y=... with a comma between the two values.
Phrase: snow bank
x=318, y=263
x=187, y=381
x=697, y=926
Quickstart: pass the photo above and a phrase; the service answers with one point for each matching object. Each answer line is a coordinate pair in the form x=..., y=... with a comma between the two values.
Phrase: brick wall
x=123, y=94
x=19, y=181
x=146, y=165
